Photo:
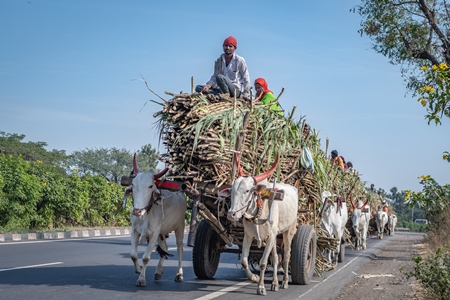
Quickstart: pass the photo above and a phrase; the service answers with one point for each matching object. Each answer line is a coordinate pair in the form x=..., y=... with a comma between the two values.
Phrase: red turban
x=231, y=40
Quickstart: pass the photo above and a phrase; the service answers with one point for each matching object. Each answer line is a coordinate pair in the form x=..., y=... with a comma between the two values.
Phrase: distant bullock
x=360, y=220
x=334, y=218
x=392, y=222
x=381, y=220
x=263, y=220
x=154, y=213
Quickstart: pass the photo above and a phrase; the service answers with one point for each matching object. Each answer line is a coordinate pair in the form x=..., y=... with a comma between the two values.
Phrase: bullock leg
x=380, y=231
x=261, y=290
x=163, y=244
x=358, y=239
x=134, y=251
x=179, y=234
x=287, y=245
x=246, y=243
x=146, y=258
x=364, y=239
x=274, y=286
x=336, y=253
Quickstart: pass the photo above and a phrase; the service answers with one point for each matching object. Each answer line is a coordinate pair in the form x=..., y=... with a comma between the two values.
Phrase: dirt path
x=381, y=277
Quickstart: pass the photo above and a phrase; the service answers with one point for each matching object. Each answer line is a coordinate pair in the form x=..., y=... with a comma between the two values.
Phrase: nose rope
x=248, y=202
x=148, y=208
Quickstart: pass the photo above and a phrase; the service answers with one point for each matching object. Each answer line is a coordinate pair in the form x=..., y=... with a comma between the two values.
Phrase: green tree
x=32, y=151
x=147, y=158
x=415, y=35
x=113, y=163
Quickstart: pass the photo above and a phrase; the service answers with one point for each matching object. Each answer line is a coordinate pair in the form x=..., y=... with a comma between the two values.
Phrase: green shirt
x=270, y=97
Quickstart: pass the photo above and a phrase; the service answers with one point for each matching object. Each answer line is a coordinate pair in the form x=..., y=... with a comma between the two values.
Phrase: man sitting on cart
x=230, y=74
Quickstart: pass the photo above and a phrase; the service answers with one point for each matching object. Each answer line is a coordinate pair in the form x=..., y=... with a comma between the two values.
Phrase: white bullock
x=334, y=217
x=154, y=213
x=381, y=220
x=392, y=222
x=360, y=222
x=263, y=221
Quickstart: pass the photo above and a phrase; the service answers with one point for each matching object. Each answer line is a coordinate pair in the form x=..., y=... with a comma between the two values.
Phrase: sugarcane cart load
x=204, y=136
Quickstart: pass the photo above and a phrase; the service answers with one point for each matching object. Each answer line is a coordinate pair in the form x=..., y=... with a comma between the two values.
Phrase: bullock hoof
x=255, y=278
x=138, y=270
x=261, y=291
x=284, y=285
x=141, y=282
x=179, y=278
x=158, y=276
x=274, y=287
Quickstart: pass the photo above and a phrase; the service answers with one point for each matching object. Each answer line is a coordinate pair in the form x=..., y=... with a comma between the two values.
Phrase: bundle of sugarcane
x=324, y=243
x=201, y=135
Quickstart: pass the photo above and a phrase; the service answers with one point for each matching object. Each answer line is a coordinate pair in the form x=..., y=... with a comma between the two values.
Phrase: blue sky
x=70, y=76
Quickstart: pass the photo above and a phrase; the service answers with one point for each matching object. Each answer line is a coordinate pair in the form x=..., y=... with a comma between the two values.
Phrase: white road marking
x=31, y=266
x=224, y=291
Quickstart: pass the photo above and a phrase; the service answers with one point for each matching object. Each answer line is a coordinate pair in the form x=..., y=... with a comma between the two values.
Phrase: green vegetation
x=434, y=272
x=33, y=196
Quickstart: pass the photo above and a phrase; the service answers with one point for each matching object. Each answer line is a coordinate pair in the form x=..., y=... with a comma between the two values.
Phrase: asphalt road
x=101, y=268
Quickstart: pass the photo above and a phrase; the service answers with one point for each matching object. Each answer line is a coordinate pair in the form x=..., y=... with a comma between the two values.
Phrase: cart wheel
x=341, y=256
x=303, y=255
x=253, y=263
x=205, y=255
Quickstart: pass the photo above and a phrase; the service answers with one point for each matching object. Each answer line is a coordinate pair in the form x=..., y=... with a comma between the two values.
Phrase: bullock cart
x=216, y=234
x=204, y=135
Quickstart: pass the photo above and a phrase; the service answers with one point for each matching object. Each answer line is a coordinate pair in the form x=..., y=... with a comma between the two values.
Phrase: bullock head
x=142, y=189
x=327, y=203
x=243, y=191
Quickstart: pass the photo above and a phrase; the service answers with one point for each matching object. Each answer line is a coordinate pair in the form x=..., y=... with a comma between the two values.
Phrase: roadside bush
x=434, y=272
x=52, y=193
x=416, y=227
x=35, y=196
x=21, y=192
x=105, y=203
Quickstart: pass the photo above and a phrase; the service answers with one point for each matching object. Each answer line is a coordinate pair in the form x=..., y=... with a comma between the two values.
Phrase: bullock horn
x=236, y=159
x=264, y=175
x=362, y=207
x=353, y=204
x=157, y=175
x=135, y=169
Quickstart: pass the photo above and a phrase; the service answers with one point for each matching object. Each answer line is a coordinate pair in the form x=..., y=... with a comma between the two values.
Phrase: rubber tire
x=204, y=259
x=341, y=255
x=303, y=255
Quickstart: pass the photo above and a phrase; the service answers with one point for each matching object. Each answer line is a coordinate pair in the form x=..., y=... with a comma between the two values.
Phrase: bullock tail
x=162, y=253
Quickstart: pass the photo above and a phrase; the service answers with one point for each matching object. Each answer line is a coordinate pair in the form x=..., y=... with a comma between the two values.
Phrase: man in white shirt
x=230, y=73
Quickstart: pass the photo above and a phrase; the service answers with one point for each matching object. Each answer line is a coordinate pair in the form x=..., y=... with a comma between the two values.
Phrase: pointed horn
x=353, y=204
x=236, y=159
x=264, y=175
x=362, y=207
x=157, y=175
x=135, y=169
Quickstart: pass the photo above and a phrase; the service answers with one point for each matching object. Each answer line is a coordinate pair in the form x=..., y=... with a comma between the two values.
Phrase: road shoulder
x=381, y=278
